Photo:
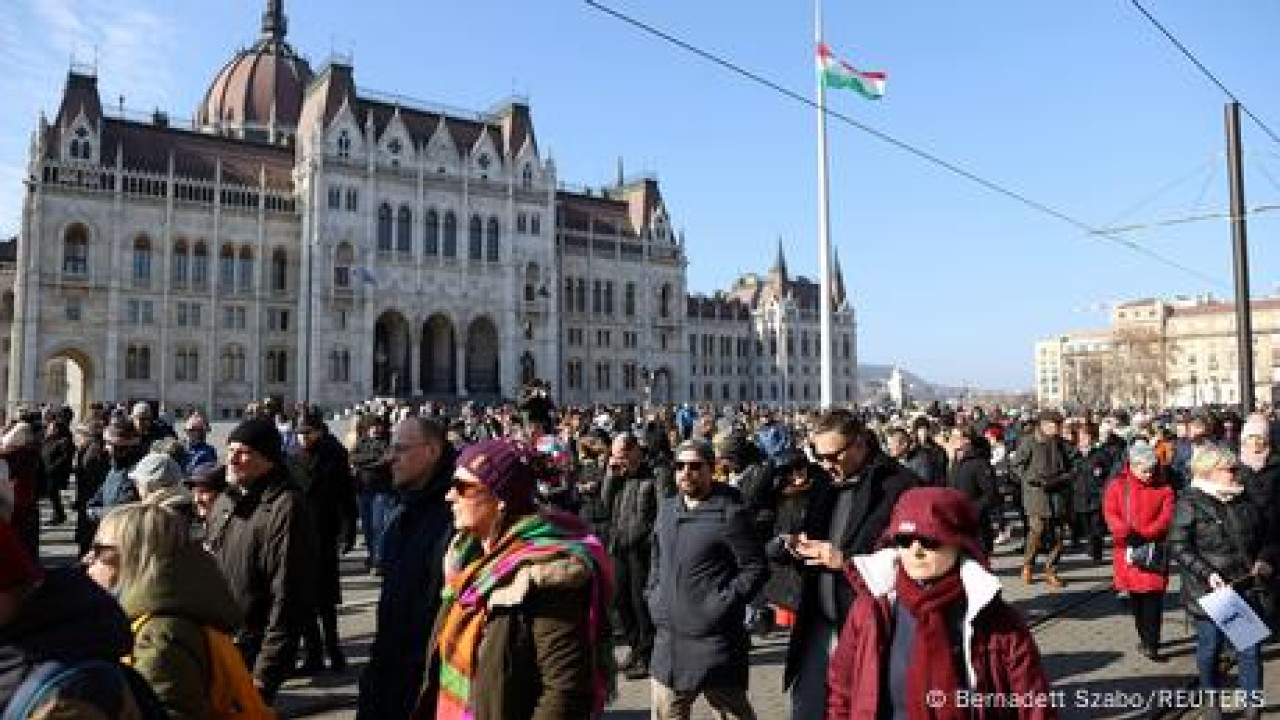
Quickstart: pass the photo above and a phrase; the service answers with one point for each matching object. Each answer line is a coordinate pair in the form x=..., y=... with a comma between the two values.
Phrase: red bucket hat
x=939, y=513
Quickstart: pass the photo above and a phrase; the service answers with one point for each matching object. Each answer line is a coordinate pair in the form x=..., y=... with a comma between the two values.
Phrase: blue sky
x=1081, y=106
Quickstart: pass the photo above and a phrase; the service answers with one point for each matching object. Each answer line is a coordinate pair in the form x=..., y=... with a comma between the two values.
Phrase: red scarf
x=932, y=667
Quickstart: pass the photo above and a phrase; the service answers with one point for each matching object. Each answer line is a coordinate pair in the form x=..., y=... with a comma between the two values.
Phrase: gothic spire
x=274, y=24
x=837, y=283
x=780, y=264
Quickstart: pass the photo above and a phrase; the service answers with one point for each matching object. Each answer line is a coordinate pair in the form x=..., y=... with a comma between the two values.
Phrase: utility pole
x=1244, y=315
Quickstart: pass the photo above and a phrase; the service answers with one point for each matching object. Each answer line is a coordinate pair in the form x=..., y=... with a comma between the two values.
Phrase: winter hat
x=17, y=569
x=505, y=468
x=155, y=471
x=211, y=475
x=261, y=435
x=943, y=514
x=1256, y=425
x=1141, y=453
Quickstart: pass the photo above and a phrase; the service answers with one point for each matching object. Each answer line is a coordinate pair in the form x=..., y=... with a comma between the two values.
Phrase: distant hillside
x=873, y=382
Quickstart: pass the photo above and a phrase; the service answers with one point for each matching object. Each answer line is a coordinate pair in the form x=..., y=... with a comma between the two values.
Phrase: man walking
x=707, y=563
x=844, y=517
x=1044, y=462
x=260, y=532
x=413, y=548
x=634, y=511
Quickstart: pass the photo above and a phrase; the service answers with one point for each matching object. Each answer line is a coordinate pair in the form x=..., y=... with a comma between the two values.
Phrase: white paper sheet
x=1235, y=618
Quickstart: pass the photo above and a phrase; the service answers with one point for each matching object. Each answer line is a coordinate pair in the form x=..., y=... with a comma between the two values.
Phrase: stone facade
x=307, y=240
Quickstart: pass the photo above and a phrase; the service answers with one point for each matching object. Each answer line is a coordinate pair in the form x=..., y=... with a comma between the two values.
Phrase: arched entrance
x=391, y=355
x=528, y=369
x=439, y=357
x=482, y=358
x=67, y=379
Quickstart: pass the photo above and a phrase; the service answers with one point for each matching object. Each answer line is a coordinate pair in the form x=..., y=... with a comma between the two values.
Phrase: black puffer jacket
x=1210, y=536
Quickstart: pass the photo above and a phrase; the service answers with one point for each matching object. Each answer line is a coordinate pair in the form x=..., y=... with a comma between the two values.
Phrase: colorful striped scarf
x=471, y=576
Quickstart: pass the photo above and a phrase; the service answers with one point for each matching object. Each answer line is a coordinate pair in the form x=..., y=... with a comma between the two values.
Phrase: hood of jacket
x=66, y=617
x=878, y=573
x=192, y=586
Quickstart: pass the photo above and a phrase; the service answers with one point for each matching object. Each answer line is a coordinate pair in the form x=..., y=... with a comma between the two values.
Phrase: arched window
x=526, y=176
x=245, y=271
x=141, y=260
x=491, y=241
x=450, y=235
x=582, y=295
x=384, y=228
x=629, y=300
x=137, y=362
x=75, y=251
x=187, y=367
x=664, y=302
x=344, y=144
x=343, y=258
x=200, y=265
x=568, y=294
x=475, y=239
x=340, y=365
x=181, y=264
x=277, y=369
x=227, y=268
x=279, y=270
x=404, y=231
x=431, y=234
x=844, y=347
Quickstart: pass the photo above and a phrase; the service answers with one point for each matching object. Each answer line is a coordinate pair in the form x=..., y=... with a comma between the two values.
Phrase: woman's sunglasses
x=466, y=488
x=905, y=542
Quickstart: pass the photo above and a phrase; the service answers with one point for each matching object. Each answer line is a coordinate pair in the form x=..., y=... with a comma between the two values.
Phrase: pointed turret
x=274, y=24
x=779, y=269
x=837, y=283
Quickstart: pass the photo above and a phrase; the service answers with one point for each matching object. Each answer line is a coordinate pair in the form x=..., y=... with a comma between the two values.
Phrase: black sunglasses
x=689, y=464
x=904, y=542
x=831, y=457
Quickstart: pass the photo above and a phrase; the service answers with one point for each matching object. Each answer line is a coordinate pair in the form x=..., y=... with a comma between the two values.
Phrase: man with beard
x=260, y=533
x=331, y=499
x=413, y=547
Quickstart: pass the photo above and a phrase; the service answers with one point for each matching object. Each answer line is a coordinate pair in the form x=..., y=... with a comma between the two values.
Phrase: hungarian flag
x=836, y=73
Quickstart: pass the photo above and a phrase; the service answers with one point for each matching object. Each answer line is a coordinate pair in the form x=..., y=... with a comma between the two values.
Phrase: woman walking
x=1139, y=510
x=1220, y=538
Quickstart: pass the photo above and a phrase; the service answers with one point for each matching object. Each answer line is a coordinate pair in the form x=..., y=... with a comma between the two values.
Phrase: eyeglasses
x=96, y=552
x=466, y=488
x=689, y=465
x=831, y=457
x=905, y=542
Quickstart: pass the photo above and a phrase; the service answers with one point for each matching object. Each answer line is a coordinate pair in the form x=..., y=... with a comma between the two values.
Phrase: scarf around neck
x=471, y=577
x=932, y=666
x=1217, y=491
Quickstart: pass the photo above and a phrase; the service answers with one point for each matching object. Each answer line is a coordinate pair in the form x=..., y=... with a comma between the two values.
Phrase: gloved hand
x=1133, y=539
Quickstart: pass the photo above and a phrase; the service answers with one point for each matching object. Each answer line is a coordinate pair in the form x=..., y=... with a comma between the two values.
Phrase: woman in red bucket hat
x=928, y=623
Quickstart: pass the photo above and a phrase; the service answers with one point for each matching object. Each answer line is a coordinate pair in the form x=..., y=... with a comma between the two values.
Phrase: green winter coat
x=169, y=649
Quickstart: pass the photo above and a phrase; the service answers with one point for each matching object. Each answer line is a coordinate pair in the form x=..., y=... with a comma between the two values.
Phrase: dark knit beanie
x=261, y=435
x=506, y=469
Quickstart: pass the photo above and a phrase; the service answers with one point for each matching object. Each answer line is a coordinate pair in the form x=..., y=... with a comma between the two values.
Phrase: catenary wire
x=951, y=167
x=1204, y=70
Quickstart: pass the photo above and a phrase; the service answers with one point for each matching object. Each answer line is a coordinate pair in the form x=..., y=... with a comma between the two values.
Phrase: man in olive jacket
x=261, y=534
x=707, y=563
x=1044, y=462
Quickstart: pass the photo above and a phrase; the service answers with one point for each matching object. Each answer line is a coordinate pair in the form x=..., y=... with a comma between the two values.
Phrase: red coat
x=1152, y=515
x=1002, y=656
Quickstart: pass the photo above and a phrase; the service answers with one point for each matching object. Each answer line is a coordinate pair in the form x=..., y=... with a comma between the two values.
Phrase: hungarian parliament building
x=306, y=240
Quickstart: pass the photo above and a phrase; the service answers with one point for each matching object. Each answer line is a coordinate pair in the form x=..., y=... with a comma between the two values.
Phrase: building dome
x=258, y=94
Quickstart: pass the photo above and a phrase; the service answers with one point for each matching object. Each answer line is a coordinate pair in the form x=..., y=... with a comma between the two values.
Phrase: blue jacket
x=117, y=489
x=413, y=576
x=199, y=454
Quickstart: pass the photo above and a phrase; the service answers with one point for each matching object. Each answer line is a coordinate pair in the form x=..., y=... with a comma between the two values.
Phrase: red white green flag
x=836, y=73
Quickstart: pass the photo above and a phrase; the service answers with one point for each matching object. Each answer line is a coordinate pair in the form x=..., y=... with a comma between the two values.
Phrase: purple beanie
x=506, y=469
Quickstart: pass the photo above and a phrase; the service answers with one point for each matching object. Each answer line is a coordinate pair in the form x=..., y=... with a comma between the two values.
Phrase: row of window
x=706, y=346
x=632, y=376
x=396, y=152
x=231, y=364
x=602, y=296
x=190, y=263
x=140, y=312
x=708, y=392
x=395, y=232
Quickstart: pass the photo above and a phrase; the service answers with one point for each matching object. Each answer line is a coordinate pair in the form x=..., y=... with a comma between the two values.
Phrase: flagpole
x=824, y=232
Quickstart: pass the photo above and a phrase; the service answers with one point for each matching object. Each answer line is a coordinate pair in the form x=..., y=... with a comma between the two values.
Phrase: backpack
x=232, y=694
x=97, y=683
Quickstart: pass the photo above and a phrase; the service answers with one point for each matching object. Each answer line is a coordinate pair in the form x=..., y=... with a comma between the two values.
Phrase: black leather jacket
x=1209, y=536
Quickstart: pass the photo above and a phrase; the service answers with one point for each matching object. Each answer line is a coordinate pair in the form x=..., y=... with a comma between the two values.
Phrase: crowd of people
x=517, y=544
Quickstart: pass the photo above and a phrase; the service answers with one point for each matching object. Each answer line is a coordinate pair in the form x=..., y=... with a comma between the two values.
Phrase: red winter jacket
x=1002, y=658
x=1150, y=515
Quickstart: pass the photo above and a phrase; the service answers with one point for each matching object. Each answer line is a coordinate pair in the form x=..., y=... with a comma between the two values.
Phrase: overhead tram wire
x=1204, y=70
x=925, y=155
